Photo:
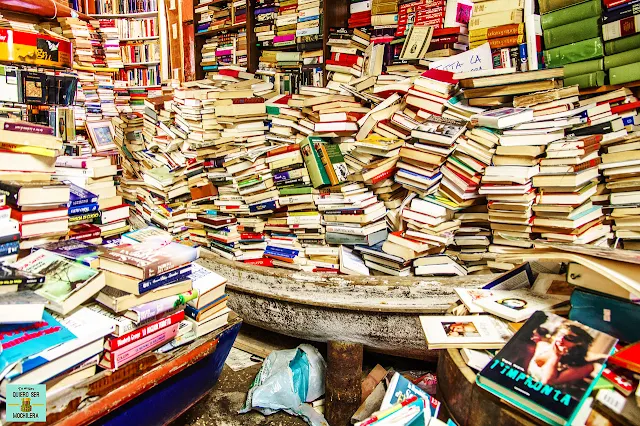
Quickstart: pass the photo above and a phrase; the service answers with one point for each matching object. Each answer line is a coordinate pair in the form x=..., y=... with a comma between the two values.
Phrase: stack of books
x=360, y=14
x=111, y=42
x=212, y=16
x=309, y=25
x=146, y=283
x=265, y=12
x=87, y=46
x=621, y=42
x=347, y=51
x=9, y=237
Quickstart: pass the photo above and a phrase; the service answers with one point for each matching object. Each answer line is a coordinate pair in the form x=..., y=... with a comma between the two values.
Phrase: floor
x=220, y=407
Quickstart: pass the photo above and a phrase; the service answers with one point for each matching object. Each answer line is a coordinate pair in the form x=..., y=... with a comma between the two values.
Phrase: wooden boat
x=380, y=312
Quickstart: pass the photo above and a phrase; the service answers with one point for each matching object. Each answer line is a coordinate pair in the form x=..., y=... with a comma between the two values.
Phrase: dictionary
x=549, y=367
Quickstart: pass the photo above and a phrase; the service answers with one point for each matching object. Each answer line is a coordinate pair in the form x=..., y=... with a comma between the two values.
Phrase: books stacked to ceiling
x=309, y=25
x=239, y=12
x=346, y=63
x=146, y=285
x=87, y=46
x=621, y=42
x=111, y=42
x=501, y=24
x=573, y=40
x=212, y=16
x=92, y=180
x=359, y=14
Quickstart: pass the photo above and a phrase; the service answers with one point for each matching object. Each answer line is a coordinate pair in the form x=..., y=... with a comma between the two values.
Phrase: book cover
x=148, y=234
x=117, y=358
x=76, y=250
x=152, y=258
x=628, y=357
x=204, y=280
x=139, y=333
x=317, y=173
x=79, y=196
x=401, y=389
x=549, y=367
x=23, y=340
x=476, y=332
x=10, y=276
x=516, y=305
x=196, y=313
x=64, y=277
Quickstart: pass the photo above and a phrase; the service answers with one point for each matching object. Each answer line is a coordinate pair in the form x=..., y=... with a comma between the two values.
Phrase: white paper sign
x=472, y=60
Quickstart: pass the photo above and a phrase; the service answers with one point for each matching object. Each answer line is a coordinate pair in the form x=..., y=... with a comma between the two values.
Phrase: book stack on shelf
x=575, y=29
x=213, y=16
x=87, y=45
x=359, y=14
x=140, y=53
x=239, y=12
x=137, y=28
x=111, y=42
x=621, y=42
x=118, y=7
x=265, y=12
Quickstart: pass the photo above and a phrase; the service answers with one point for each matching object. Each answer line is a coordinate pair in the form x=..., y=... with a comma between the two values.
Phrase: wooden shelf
x=140, y=38
x=152, y=14
x=141, y=64
x=222, y=30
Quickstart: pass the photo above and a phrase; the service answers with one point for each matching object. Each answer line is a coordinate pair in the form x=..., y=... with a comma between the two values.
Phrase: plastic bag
x=286, y=381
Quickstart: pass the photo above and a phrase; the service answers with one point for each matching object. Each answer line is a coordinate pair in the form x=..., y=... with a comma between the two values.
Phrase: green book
x=317, y=173
x=622, y=44
x=585, y=81
x=337, y=161
x=296, y=190
x=620, y=59
x=571, y=14
x=574, y=52
x=624, y=73
x=571, y=33
x=547, y=6
x=585, y=67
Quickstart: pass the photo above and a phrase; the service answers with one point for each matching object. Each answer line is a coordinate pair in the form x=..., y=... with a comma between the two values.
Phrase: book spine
x=87, y=208
x=586, y=67
x=621, y=28
x=337, y=238
x=326, y=163
x=317, y=173
x=621, y=12
x=125, y=354
x=165, y=265
x=574, y=52
x=571, y=14
x=622, y=45
x=84, y=216
x=571, y=33
x=180, y=274
x=135, y=335
x=585, y=81
x=9, y=238
x=10, y=248
x=551, y=5
x=260, y=262
x=499, y=43
x=496, y=6
x=496, y=32
x=624, y=73
x=494, y=19
x=619, y=59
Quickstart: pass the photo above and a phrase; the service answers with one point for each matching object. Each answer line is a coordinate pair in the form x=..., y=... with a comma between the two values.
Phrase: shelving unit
x=151, y=14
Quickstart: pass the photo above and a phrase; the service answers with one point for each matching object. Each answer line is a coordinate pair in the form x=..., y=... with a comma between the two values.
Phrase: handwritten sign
x=472, y=60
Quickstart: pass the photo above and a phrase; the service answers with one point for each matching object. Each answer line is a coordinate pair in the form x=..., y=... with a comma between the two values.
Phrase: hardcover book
x=79, y=196
x=549, y=367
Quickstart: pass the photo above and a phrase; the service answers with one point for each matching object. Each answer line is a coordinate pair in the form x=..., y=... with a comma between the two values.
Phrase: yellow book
x=23, y=149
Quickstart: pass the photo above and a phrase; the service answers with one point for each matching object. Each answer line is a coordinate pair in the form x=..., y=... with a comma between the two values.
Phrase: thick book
x=622, y=28
x=585, y=81
x=548, y=367
x=135, y=286
x=624, y=74
x=121, y=301
x=547, y=6
x=574, y=52
x=35, y=192
x=572, y=32
x=68, y=284
x=146, y=260
x=207, y=283
x=23, y=340
x=114, y=360
x=201, y=314
x=21, y=307
x=581, y=68
x=620, y=59
x=622, y=44
x=578, y=12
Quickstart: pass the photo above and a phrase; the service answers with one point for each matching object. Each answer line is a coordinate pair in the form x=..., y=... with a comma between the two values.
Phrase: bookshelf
x=335, y=14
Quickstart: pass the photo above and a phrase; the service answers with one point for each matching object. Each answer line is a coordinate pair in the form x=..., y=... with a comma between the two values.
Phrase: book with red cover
x=85, y=231
x=346, y=59
x=39, y=215
x=440, y=75
x=137, y=334
x=114, y=360
x=628, y=357
x=260, y=262
x=625, y=107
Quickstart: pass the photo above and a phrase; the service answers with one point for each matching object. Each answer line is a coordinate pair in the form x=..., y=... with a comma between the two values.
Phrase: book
x=572, y=32
x=76, y=250
x=624, y=27
x=400, y=389
x=577, y=12
x=503, y=117
x=313, y=161
x=67, y=284
x=21, y=307
x=552, y=5
x=146, y=260
x=133, y=336
x=114, y=360
x=137, y=287
x=628, y=357
x=23, y=340
x=516, y=305
x=475, y=332
x=35, y=192
x=79, y=196
x=574, y=52
x=526, y=372
x=120, y=301
x=13, y=276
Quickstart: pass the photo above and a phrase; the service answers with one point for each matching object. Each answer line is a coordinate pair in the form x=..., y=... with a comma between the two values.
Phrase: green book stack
x=584, y=67
x=622, y=44
x=575, y=52
x=571, y=33
x=571, y=14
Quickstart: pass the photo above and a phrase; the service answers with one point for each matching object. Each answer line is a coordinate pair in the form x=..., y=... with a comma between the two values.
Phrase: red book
x=260, y=262
x=382, y=176
x=39, y=215
x=137, y=334
x=628, y=357
x=229, y=72
x=85, y=231
x=440, y=75
x=251, y=236
x=360, y=15
x=625, y=107
x=346, y=59
x=613, y=3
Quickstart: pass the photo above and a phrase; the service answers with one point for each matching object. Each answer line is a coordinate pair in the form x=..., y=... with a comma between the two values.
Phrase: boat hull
x=381, y=313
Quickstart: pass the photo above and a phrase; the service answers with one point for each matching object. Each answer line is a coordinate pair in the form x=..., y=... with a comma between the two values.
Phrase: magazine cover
x=549, y=366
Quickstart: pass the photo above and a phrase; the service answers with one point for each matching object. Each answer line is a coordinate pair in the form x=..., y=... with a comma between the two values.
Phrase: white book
x=476, y=332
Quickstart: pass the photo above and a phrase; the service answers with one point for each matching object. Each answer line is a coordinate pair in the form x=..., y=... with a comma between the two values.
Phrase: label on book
x=180, y=274
x=140, y=333
x=28, y=128
x=143, y=345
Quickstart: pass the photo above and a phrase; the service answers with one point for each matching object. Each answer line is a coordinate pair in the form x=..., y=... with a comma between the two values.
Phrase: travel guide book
x=549, y=367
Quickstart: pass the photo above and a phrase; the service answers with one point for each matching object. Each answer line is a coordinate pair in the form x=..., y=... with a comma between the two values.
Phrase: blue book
x=277, y=251
x=192, y=312
x=84, y=208
x=171, y=277
x=269, y=205
x=629, y=120
x=309, y=18
x=77, y=250
x=79, y=196
x=23, y=340
x=400, y=389
x=619, y=12
x=10, y=248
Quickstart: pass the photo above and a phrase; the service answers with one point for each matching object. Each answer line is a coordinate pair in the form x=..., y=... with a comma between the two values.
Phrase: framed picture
x=101, y=134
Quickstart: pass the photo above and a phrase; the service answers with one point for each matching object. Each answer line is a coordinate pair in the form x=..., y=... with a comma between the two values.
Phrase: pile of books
x=88, y=50
x=111, y=43
x=212, y=16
